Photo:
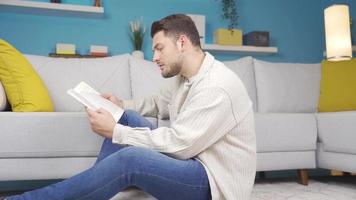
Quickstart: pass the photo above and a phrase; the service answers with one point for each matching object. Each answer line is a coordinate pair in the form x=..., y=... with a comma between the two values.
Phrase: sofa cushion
x=285, y=132
x=47, y=134
x=243, y=67
x=287, y=87
x=335, y=161
x=109, y=74
x=337, y=131
x=338, y=86
x=3, y=100
x=146, y=78
x=24, y=88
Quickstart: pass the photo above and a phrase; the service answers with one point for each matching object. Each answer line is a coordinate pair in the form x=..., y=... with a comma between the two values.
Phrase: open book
x=93, y=100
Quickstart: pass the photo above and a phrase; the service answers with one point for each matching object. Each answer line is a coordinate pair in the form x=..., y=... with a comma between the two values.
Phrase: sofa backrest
x=244, y=69
x=146, y=78
x=272, y=87
x=109, y=74
x=287, y=87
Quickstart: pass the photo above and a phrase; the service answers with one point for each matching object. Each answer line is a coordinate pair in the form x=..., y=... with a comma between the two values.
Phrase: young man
x=209, y=150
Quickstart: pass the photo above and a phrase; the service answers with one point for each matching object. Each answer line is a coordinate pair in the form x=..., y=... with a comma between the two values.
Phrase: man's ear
x=182, y=42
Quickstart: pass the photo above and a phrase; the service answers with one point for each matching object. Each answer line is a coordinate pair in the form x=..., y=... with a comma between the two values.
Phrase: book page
x=92, y=99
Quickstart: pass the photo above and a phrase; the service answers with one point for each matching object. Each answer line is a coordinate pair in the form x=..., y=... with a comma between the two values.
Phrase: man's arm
x=207, y=118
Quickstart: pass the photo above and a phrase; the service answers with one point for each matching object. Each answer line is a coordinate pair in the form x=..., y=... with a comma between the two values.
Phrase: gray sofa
x=290, y=134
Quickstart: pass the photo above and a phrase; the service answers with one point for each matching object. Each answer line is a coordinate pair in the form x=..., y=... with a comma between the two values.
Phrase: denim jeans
x=118, y=167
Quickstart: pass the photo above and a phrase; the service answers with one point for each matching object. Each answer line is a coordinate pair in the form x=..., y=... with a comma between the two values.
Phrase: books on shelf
x=69, y=51
x=55, y=55
x=92, y=99
x=62, y=48
x=96, y=50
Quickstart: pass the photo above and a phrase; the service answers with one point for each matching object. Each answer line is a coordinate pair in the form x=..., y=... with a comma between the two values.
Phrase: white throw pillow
x=3, y=100
x=243, y=67
x=287, y=87
x=146, y=78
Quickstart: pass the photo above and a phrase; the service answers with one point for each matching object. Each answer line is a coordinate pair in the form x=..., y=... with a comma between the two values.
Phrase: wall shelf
x=240, y=49
x=35, y=7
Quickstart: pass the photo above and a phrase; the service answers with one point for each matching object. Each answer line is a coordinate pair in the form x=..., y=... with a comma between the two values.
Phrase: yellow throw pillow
x=24, y=88
x=338, y=86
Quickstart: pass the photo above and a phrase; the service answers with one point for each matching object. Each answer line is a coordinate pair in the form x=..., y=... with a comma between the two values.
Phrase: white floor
x=328, y=188
x=325, y=189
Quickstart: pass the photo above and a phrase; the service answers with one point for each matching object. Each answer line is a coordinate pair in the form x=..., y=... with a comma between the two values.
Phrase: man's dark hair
x=176, y=25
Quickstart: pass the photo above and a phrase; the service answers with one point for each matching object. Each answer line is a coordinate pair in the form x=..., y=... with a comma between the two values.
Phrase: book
x=92, y=99
x=65, y=48
x=96, y=50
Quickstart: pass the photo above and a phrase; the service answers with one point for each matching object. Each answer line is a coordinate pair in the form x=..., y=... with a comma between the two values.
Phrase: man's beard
x=174, y=69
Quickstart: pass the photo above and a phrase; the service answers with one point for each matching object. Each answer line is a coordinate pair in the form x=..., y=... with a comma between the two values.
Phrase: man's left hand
x=101, y=122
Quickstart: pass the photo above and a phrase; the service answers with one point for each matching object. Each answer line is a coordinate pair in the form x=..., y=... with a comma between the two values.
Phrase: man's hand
x=113, y=99
x=101, y=122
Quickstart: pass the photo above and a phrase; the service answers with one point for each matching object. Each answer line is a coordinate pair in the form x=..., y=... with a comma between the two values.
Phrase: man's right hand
x=113, y=99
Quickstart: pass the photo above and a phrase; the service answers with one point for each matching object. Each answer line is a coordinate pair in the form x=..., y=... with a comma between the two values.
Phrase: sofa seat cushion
x=337, y=131
x=285, y=132
x=109, y=74
x=243, y=67
x=287, y=87
x=47, y=134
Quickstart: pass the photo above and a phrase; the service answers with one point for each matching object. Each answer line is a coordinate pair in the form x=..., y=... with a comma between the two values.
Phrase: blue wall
x=296, y=27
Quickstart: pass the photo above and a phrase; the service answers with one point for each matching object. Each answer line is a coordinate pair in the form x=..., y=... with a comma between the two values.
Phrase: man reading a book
x=208, y=152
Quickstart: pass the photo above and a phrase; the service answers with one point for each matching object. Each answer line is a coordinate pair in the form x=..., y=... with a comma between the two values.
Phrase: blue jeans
x=119, y=167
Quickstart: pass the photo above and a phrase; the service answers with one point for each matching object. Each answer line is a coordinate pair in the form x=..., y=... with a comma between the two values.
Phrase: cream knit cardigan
x=211, y=120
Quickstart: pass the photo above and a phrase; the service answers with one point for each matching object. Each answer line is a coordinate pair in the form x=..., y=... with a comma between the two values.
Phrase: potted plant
x=230, y=36
x=138, y=30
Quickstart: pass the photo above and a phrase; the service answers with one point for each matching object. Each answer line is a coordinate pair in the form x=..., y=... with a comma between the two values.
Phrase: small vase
x=138, y=54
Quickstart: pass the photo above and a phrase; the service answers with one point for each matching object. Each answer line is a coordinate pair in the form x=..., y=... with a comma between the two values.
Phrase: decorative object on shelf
x=62, y=48
x=256, y=38
x=199, y=21
x=58, y=55
x=55, y=1
x=230, y=13
x=337, y=33
x=138, y=30
x=138, y=54
x=69, y=51
x=97, y=3
x=55, y=55
x=230, y=36
x=96, y=50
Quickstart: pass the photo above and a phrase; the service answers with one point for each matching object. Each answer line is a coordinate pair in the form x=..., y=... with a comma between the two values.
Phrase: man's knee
x=134, y=155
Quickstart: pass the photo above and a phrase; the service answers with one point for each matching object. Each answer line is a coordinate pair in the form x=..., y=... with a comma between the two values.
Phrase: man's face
x=167, y=55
